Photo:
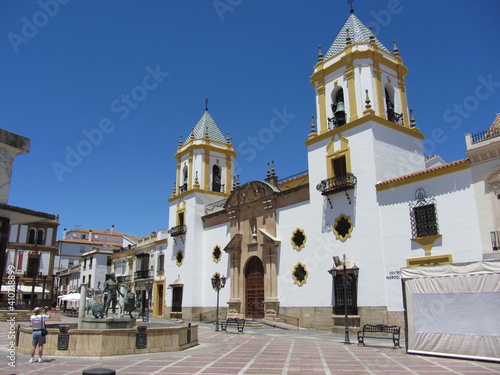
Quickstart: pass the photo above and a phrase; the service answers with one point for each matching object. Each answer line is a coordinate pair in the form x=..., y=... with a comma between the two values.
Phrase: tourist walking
x=39, y=331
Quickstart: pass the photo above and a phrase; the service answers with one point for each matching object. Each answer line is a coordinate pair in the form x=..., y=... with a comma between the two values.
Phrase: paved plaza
x=259, y=351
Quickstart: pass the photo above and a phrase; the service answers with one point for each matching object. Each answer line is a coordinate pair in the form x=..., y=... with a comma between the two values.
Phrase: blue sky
x=129, y=77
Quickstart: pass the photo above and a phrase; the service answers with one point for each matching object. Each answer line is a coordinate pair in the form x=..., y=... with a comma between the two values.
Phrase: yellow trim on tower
x=322, y=121
x=379, y=95
x=353, y=108
x=361, y=121
x=206, y=172
x=332, y=154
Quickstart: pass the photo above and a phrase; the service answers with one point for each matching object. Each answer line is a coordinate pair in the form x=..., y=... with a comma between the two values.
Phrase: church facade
x=332, y=240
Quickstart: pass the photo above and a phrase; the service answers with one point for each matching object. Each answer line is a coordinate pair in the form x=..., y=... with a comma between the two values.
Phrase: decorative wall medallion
x=216, y=254
x=299, y=274
x=343, y=227
x=298, y=239
x=179, y=257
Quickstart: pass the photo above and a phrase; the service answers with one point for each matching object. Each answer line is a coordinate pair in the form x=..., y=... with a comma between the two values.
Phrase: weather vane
x=206, y=104
x=350, y=2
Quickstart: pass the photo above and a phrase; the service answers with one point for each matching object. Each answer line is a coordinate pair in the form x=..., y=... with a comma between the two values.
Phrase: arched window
x=32, y=236
x=216, y=178
x=338, y=109
x=40, y=237
x=184, y=185
x=389, y=103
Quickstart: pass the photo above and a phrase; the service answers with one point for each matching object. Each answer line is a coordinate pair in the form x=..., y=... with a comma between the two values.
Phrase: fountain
x=108, y=336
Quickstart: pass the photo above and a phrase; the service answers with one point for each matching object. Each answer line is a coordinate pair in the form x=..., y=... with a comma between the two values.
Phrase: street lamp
x=346, y=284
x=217, y=284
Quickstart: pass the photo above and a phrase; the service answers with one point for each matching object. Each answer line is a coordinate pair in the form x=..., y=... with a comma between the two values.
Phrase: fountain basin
x=110, y=342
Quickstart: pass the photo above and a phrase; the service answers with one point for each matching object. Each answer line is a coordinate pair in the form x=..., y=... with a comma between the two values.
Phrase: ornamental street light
x=346, y=284
x=217, y=284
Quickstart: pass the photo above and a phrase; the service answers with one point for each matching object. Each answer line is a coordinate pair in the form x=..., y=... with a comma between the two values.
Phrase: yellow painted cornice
x=349, y=58
x=207, y=147
x=427, y=242
x=425, y=175
x=198, y=190
x=368, y=116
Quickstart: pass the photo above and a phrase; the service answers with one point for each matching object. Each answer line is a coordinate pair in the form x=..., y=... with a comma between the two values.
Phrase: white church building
x=369, y=194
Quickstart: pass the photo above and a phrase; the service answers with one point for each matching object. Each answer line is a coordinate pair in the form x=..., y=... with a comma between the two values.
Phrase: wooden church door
x=254, y=288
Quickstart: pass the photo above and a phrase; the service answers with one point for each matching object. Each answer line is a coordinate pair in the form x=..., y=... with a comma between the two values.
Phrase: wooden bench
x=233, y=322
x=386, y=332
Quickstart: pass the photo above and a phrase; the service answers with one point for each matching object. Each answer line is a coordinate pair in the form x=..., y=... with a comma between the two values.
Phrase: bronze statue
x=112, y=287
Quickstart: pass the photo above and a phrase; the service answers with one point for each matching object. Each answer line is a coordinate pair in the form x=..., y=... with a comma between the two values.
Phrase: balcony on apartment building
x=124, y=279
x=143, y=274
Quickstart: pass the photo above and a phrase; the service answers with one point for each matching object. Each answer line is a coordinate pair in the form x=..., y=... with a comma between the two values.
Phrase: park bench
x=233, y=322
x=385, y=332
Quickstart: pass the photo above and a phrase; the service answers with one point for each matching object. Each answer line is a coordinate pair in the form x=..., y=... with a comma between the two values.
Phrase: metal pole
x=346, y=339
x=217, y=313
x=32, y=301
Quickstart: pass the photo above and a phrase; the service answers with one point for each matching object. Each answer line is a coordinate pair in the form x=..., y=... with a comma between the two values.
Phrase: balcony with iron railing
x=124, y=279
x=143, y=274
x=177, y=230
x=335, y=184
x=485, y=135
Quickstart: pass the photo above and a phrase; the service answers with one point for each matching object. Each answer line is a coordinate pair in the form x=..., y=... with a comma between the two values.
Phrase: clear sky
x=105, y=88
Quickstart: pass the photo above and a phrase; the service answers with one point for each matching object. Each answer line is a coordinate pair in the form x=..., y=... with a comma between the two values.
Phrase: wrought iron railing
x=281, y=180
x=485, y=135
x=334, y=184
x=124, y=279
x=143, y=274
x=177, y=230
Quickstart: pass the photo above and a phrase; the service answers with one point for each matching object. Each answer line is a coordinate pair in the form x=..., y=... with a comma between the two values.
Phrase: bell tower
x=363, y=123
x=205, y=161
x=359, y=75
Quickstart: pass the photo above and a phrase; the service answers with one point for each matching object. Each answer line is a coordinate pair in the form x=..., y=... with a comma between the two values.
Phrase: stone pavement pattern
x=260, y=351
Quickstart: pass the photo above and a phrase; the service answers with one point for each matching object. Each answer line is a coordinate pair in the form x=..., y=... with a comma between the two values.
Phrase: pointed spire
x=313, y=125
x=173, y=191
x=348, y=37
x=412, y=119
x=268, y=174
x=192, y=134
x=320, y=54
x=367, y=101
x=206, y=105
x=273, y=170
x=350, y=2
x=395, y=52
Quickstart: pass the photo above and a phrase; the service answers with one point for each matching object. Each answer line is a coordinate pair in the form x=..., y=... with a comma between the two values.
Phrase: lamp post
x=346, y=284
x=217, y=284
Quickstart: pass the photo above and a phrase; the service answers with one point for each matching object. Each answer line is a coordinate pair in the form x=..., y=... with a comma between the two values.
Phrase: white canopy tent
x=452, y=310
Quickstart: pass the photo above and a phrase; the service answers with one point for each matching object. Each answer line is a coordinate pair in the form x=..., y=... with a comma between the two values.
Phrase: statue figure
x=96, y=308
x=111, y=286
x=129, y=304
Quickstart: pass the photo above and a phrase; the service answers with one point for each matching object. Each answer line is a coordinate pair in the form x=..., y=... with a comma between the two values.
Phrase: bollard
x=99, y=371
